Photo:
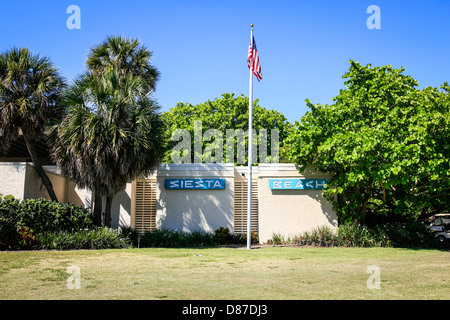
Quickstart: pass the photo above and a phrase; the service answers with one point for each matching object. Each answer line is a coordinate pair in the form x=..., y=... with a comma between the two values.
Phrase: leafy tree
x=30, y=87
x=384, y=141
x=226, y=113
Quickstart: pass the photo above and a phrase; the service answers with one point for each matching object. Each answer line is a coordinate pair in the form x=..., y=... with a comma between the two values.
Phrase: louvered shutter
x=240, y=206
x=144, y=205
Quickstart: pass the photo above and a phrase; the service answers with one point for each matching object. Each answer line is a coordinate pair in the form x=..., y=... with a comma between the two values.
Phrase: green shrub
x=130, y=233
x=408, y=234
x=199, y=238
x=238, y=238
x=44, y=215
x=352, y=235
x=160, y=238
x=22, y=222
x=10, y=203
x=167, y=238
x=320, y=236
x=9, y=236
x=27, y=236
x=254, y=237
x=277, y=239
x=96, y=238
x=223, y=236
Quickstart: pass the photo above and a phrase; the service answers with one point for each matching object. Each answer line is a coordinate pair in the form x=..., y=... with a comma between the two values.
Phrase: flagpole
x=250, y=152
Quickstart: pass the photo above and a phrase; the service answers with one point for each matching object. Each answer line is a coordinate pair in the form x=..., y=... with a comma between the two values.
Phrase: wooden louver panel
x=144, y=205
x=240, y=206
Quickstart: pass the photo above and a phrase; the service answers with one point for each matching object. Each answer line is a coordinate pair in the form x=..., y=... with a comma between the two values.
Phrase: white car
x=440, y=225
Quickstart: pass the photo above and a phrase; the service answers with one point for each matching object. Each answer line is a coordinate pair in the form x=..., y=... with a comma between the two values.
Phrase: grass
x=268, y=273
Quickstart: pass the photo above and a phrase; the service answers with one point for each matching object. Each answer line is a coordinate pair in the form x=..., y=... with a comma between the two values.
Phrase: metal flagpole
x=250, y=151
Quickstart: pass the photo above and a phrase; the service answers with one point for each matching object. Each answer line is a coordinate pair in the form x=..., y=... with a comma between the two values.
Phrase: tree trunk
x=363, y=210
x=37, y=164
x=98, y=206
x=108, y=211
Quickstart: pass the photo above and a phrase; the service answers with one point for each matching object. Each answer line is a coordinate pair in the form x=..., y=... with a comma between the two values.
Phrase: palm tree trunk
x=37, y=164
x=108, y=211
x=98, y=205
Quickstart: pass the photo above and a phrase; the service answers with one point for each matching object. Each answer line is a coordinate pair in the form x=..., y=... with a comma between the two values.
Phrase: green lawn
x=227, y=273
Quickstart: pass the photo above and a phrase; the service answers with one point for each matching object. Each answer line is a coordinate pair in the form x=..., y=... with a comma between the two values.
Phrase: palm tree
x=127, y=57
x=112, y=132
x=110, y=135
x=30, y=87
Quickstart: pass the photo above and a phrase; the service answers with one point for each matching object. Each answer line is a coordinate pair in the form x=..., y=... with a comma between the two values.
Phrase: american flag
x=253, y=60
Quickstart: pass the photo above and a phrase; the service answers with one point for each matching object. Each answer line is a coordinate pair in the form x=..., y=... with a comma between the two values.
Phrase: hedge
x=21, y=222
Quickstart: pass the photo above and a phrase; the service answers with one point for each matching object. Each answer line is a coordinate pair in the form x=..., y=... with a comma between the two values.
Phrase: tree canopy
x=222, y=114
x=30, y=89
x=127, y=57
x=385, y=143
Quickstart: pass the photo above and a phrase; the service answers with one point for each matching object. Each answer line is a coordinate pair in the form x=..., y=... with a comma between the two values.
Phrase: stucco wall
x=121, y=208
x=190, y=210
x=65, y=190
x=35, y=188
x=284, y=212
x=21, y=180
x=77, y=195
x=291, y=212
x=12, y=177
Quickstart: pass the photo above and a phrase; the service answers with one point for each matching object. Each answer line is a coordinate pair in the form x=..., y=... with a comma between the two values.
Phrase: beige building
x=190, y=197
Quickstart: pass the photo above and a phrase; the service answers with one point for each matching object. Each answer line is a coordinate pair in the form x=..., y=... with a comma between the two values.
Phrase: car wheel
x=441, y=239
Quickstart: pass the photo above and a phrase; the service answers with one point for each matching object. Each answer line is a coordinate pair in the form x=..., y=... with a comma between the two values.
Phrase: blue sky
x=200, y=47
